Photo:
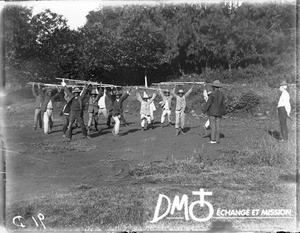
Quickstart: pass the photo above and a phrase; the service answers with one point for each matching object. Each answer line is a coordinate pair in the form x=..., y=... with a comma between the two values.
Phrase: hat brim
x=216, y=85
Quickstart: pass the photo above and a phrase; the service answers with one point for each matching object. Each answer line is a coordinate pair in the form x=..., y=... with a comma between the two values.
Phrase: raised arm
x=125, y=95
x=67, y=91
x=189, y=91
x=100, y=93
x=33, y=91
x=153, y=97
x=173, y=92
x=160, y=91
x=83, y=93
x=138, y=95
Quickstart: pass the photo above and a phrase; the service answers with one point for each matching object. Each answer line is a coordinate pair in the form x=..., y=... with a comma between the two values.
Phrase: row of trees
x=120, y=44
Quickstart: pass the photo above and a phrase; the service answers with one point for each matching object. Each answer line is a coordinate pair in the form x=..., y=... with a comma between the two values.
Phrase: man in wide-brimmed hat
x=284, y=110
x=166, y=105
x=76, y=108
x=180, y=108
x=215, y=109
x=145, y=108
x=117, y=109
x=93, y=107
x=47, y=109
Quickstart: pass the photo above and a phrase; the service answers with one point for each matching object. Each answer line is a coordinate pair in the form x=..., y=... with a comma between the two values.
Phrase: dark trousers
x=282, y=115
x=122, y=119
x=38, y=118
x=65, y=123
x=109, y=118
x=73, y=116
x=215, y=127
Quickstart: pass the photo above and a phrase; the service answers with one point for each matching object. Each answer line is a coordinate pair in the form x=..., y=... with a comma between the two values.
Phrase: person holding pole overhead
x=39, y=97
x=145, y=108
x=180, y=108
x=93, y=107
x=76, y=108
x=117, y=109
x=166, y=105
x=47, y=109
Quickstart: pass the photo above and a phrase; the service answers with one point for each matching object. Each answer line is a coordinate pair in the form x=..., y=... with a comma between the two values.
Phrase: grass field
x=113, y=184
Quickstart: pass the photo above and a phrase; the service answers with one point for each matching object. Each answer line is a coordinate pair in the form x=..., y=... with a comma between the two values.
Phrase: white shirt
x=152, y=107
x=166, y=107
x=101, y=101
x=284, y=101
x=49, y=105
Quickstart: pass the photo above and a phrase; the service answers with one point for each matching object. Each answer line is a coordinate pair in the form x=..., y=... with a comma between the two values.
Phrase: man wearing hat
x=76, y=108
x=109, y=99
x=39, y=97
x=93, y=107
x=206, y=93
x=117, y=110
x=215, y=109
x=284, y=110
x=145, y=108
x=166, y=105
x=180, y=108
x=65, y=113
x=47, y=109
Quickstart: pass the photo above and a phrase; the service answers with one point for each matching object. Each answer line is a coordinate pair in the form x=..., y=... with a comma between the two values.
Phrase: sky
x=75, y=11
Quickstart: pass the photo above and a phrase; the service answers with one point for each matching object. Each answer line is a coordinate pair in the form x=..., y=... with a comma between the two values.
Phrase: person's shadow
x=99, y=133
x=209, y=135
x=129, y=131
x=275, y=134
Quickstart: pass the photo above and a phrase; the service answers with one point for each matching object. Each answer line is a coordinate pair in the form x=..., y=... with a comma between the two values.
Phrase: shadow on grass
x=275, y=134
x=209, y=135
x=129, y=131
x=99, y=133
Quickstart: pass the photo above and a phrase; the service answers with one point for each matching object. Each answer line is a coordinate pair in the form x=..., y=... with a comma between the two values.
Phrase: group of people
x=109, y=103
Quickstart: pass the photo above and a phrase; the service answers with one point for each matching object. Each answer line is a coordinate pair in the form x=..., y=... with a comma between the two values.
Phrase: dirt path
x=39, y=164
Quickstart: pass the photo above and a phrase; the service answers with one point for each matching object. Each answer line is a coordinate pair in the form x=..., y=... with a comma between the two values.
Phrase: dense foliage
x=122, y=44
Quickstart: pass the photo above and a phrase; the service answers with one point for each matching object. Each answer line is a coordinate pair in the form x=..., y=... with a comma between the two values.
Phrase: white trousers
x=117, y=124
x=48, y=121
x=144, y=119
x=180, y=119
x=206, y=124
x=163, y=116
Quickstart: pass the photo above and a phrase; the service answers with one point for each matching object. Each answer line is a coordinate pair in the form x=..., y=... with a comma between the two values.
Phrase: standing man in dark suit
x=76, y=107
x=109, y=100
x=215, y=109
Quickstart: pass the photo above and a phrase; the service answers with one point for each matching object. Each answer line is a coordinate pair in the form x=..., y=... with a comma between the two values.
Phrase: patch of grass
x=103, y=208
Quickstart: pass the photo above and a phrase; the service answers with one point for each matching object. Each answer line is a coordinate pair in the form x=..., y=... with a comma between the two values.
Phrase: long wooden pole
x=88, y=82
x=53, y=85
x=174, y=83
x=149, y=88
